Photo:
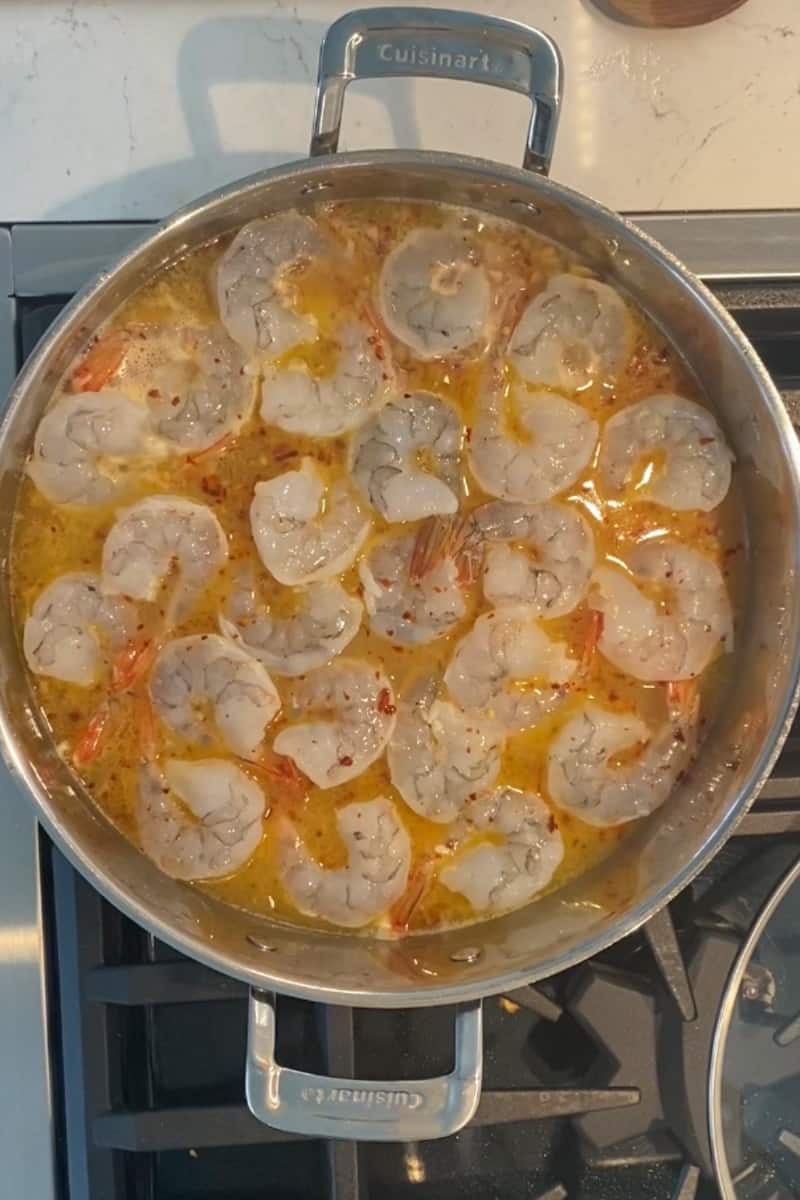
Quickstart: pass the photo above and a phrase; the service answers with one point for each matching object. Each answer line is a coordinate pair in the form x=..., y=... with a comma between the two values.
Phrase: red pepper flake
x=551, y=823
x=284, y=452
x=212, y=486
x=468, y=434
x=175, y=401
x=385, y=705
x=154, y=393
x=345, y=760
x=707, y=441
x=385, y=583
x=407, y=615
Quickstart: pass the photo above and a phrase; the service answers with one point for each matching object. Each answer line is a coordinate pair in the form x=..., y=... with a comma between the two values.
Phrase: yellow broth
x=50, y=540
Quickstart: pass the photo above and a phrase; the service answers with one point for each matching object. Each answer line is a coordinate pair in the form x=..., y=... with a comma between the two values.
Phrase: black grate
x=152, y=1045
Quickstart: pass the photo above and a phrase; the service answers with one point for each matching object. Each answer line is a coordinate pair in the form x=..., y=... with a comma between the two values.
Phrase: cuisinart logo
x=365, y=1097
x=432, y=56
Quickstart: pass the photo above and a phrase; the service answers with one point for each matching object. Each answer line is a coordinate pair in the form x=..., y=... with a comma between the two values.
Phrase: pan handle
x=372, y=43
x=363, y=1109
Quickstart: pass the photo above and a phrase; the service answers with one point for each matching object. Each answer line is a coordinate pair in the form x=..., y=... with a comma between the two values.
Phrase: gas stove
x=124, y=1061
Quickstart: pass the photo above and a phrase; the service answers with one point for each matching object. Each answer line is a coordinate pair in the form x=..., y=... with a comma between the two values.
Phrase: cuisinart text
x=367, y=1097
x=432, y=56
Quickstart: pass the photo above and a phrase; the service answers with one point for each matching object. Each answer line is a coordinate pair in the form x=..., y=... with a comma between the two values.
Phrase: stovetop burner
x=595, y=1081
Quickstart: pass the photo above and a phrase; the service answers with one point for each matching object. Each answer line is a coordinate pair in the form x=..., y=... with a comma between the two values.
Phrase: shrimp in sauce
x=225, y=825
x=439, y=756
x=378, y=860
x=434, y=293
x=376, y=566
x=504, y=873
x=325, y=621
x=206, y=671
x=304, y=531
x=406, y=459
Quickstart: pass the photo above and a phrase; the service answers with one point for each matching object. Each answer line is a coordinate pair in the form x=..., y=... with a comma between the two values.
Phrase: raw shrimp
x=253, y=284
x=326, y=621
x=640, y=638
x=156, y=536
x=582, y=780
x=361, y=382
x=190, y=385
x=73, y=628
x=406, y=459
x=304, y=531
x=403, y=609
x=550, y=566
x=686, y=461
x=195, y=382
x=81, y=444
x=438, y=757
x=529, y=446
x=206, y=671
x=220, y=831
x=574, y=332
x=503, y=874
x=507, y=668
x=378, y=861
x=435, y=294
x=352, y=716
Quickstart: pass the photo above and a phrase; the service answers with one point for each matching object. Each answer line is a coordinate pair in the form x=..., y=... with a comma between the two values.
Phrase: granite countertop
x=126, y=110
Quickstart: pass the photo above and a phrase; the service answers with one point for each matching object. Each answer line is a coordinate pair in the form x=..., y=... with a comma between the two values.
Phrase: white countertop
x=126, y=109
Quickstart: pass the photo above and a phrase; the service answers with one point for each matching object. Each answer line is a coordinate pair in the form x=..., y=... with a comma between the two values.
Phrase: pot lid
x=754, y=1085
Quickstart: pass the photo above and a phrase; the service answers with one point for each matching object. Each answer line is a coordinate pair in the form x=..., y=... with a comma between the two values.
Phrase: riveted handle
x=373, y=43
x=362, y=1109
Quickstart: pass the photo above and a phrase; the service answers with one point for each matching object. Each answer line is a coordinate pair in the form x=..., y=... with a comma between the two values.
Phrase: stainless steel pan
x=668, y=849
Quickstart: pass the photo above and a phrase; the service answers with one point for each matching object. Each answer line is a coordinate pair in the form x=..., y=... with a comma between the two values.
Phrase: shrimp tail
x=202, y=456
x=438, y=538
x=593, y=634
x=683, y=704
x=281, y=773
x=402, y=910
x=131, y=664
x=127, y=673
x=101, y=362
x=90, y=741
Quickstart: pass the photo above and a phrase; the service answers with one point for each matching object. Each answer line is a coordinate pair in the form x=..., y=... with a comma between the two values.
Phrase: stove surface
x=128, y=1059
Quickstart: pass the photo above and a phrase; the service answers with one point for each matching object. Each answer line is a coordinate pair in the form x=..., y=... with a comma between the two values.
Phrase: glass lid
x=754, y=1085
